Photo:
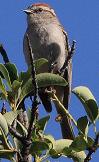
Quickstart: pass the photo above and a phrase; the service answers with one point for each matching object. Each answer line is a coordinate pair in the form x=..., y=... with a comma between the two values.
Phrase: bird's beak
x=27, y=11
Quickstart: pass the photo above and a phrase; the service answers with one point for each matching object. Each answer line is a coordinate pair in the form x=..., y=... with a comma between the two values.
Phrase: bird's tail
x=66, y=126
x=45, y=99
x=66, y=122
x=63, y=94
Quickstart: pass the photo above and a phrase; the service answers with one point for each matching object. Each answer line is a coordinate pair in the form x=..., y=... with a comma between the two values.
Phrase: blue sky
x=80, y=19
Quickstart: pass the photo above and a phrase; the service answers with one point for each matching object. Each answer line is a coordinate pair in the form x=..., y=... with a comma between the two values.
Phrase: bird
x=50, y=41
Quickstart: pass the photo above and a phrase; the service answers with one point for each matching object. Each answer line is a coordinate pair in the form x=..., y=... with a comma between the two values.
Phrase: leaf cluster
x=14, y=89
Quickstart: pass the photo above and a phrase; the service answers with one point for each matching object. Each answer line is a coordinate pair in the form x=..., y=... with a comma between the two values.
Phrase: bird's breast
x=48, y=42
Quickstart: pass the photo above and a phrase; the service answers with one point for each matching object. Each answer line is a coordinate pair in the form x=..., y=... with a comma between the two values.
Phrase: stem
x=63, y=110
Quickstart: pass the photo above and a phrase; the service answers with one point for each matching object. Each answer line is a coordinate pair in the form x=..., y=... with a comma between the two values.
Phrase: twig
x=34, y=82
x=63, y=110
x=4, y=54
x=92, y=149
x=72, y=48
x=27, y=141
x=69, y=57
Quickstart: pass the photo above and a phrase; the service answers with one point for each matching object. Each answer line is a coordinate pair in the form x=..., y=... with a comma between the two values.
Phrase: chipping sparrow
x=48, y=40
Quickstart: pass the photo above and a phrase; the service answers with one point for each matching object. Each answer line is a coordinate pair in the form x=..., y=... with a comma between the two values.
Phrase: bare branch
x=69, y=57
x=27, y=141
x=34, y=82
x=4, y=54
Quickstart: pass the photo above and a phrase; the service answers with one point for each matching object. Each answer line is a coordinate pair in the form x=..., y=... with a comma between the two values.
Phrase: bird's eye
x=38, y=10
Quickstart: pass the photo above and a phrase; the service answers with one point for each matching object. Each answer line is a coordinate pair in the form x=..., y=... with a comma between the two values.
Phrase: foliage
x=14, y=89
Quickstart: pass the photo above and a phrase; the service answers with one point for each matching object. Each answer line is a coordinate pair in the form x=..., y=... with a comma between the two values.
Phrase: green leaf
x=43, y=122
x=48, y=79
x=2, y=87
x=54, y=154
x=16, y=85
x=4, y=139
x=12, y=69
x=21, y=128
x=5, y=73
x=62, y=147
x=40, y=63
x=82, y=124
x=58, y=147
x=38, y=146
x=76, y=156
x=10, y=116
x=79, y=144
x=24, y=76
x=43, y=80
x=49, y=139
x=3, y=124
x=88, y=100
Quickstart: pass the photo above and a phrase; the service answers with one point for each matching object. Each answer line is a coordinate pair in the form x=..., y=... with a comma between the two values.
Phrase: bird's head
x=39, y=10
